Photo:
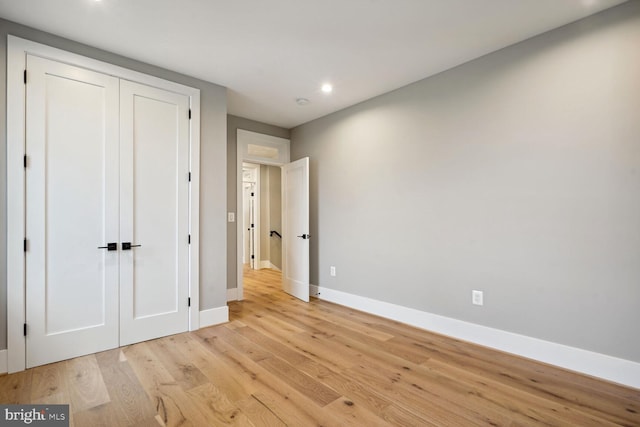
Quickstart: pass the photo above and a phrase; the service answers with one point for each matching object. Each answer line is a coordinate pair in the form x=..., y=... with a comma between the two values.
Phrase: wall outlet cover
x=477, y=297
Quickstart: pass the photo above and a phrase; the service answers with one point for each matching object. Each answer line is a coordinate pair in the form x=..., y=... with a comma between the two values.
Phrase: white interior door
x=252, y=227
x=71, y=210
x=295, y=228
x=154, y=191
x=249, y=224
x=246, y=223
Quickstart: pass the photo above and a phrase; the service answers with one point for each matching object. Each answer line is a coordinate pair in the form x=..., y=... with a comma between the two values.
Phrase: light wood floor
x=283, y=362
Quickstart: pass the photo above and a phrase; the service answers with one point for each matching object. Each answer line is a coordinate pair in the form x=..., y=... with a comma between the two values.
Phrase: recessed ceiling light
x=302, y=101
x=327, y=88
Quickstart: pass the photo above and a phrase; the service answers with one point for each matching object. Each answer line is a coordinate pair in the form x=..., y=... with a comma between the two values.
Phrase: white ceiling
x=270, y=52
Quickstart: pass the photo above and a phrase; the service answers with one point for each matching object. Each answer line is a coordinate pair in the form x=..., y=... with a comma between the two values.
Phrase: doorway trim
x=261, y=149
x=17, y=50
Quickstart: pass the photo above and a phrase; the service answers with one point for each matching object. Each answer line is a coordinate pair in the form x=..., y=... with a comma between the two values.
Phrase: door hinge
x=25, y=330
x=24, y=161
x=25, y=76
x=252, y=225
x=253, y=257
x=24, y=244
x=189, y=302
x=189, y=176
x=189, y=113
x=189, y=239
x=253, y=194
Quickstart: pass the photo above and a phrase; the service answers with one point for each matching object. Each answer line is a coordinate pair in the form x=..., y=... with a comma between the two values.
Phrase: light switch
x=231, y=217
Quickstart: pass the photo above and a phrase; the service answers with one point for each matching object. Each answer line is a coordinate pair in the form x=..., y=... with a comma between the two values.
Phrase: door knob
x=110, y=247
x=305, y=236
x=126, y=246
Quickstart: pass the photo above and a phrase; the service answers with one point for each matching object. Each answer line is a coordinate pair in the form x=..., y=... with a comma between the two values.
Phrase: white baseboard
x=214, y=316
x=4, y=366
x=232, y=294
x=587, y=362
x=267, y=264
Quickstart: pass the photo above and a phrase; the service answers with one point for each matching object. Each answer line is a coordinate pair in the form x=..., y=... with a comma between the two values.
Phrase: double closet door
x=107, y=212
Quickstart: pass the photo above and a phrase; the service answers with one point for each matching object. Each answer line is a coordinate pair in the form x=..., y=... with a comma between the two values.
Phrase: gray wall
x=275, y=215
x=233, y=124
x=212, y=158
x=517, y=174
x=265, y=223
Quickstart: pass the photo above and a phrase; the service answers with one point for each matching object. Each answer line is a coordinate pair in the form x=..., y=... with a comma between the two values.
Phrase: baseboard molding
x=232, y=294
x=267, y=264
x=214, y=316
x=4, y=366
x=587, y=362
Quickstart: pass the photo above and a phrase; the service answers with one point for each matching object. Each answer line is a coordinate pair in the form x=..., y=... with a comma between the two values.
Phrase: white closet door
x=154, y=190
x=71, y=210
x=295, y=228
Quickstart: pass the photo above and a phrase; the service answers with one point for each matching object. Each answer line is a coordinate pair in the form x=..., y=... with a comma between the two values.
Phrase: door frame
x=17, y=50
x=249, y=145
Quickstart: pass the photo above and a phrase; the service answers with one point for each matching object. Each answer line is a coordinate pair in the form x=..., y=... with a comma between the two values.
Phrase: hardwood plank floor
x=282, y=362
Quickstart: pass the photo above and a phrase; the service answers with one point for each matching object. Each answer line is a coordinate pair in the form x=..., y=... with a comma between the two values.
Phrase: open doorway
x=269, y=151
x=250, y=215
x=261, y=217
x=256, y=152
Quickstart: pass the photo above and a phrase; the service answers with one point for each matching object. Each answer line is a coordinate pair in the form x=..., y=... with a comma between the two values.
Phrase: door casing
x=17, y=50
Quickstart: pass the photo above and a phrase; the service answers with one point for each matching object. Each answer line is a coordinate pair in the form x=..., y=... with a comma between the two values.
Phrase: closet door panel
x=154, y=214
x=71, y=210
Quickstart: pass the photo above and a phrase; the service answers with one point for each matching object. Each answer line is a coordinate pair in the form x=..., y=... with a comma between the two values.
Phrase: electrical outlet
x=477, y=297
x=231, y=217
x=333, y=271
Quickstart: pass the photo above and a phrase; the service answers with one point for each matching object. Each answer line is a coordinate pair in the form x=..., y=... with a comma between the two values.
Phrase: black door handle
x=305, y=236
x=110, y=247
x=126, y=246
